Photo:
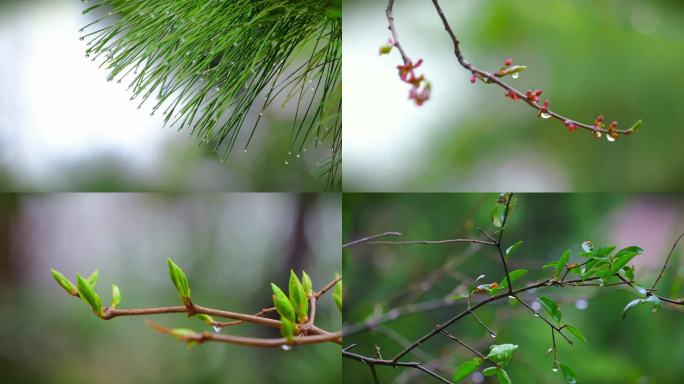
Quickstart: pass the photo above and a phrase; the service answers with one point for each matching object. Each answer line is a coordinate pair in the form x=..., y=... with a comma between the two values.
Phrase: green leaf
x=502, y=376
x=205, y=318
x=92, y=279
x=489, y=371
x=629, y=273
x=116, y=296
x=183, y=333
x=568, y=373
x=550, y=307
x=282, y=304
x=287, y=329
x=576, y=332
x=298, y=299
x=623, y=256
x=501, y=353
x=498, y=215
x=635, y=127
x=88, y=295
x=466, y=368
x=587, y=246
x=179, y=280
x=64, y=282
x=561, y=263
x=653, y=300
x=307, y=284
x=513, y=247
x=514, y=276
x=337, y=295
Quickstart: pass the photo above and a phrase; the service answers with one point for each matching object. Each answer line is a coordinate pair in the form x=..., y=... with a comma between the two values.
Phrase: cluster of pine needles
x=214, y=66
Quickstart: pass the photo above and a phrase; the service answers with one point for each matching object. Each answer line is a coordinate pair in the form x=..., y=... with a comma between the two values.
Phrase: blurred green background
x=621, y=59
x=63, y=127
x=230, y=246
x=644, y=348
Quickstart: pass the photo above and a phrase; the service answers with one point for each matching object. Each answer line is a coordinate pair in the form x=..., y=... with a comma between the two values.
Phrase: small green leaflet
x=489, y=371
x=514, y=276
x=550, y=307
x=85, y=290
x=561, y=263
x=568, y=373
x=466, y=368
x=653, y=300
x=116, y=296
x=623, y=256
x=92, y=279
x=502, y=376
x=501, y=353
x=498, y=215
x=178, y=279
x=513, y=247
x=576, y=332
x=64, y=282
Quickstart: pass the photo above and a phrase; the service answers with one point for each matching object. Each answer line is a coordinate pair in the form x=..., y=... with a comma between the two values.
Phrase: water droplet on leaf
x=515, y=75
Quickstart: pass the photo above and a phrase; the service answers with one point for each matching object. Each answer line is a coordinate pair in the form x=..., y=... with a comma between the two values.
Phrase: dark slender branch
x=369, y=238
x=509, y=199
x=662, y=271
x=433, y=242
x=468, y=347
x=373, y=361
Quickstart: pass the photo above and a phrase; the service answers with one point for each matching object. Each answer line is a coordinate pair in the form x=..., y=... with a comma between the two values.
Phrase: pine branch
x=215, y=66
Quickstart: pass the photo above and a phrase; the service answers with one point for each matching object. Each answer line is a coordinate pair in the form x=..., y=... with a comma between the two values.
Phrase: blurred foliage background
x=230, y=246
x=63, y=127
x=621, y=59
x=644, y=348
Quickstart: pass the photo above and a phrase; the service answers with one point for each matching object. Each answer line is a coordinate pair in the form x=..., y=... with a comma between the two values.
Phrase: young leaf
x=576, y=332
x=205, y=318
x=179, y=280
x=561, y=263
x=466, y=368
x=513, y=247
x=64, y=282
x=498, y=215
x=287, y=329
x=307, y=284
x=550, y=307
x=116, y=296
x=568, y=373
x=282, y=304
x=299, y=301
x=183, y=333
x=514, y=276
x=337, y=295
x=623, y=256
x=501, y=353
x=502, y=376
x=489, y=371
x=653, y=300
x=92, y=279
x=88, y=295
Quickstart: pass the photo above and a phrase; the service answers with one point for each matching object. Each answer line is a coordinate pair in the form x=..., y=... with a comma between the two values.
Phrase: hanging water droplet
x=286, y=163
x=245, y=150
x=217, y=329
x=493, y=335
x=285, y=347
x=554, y=369
x=515, y=75
x=298, y=155
x=581, y=304
x=536, y=314
x=511, y=297
x=545, y=115
x=261, y=113
x=610, y=138
x=289, y=153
